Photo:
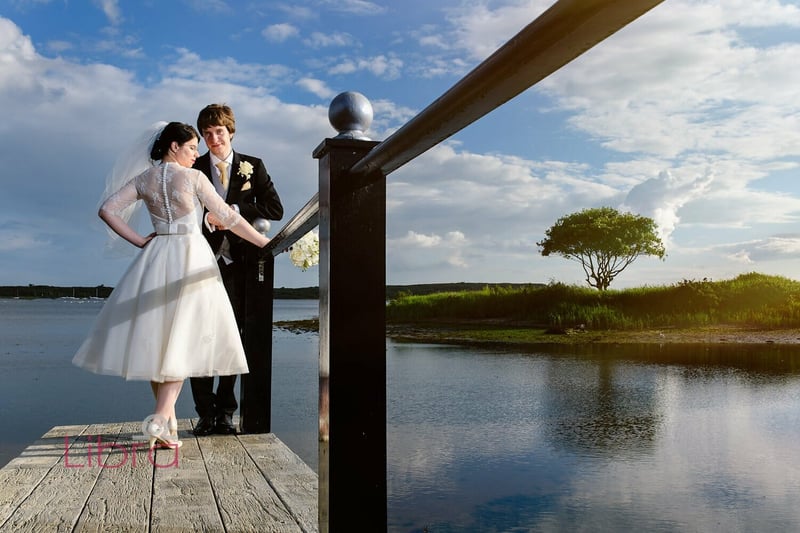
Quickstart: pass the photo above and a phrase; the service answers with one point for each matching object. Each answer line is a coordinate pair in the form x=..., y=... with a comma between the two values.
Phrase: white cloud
x=390, y=115
x=741, y=256
x=209, y=6
x=20, y=239
x=434, y=41
x=728, y=204
x=763, y=250
x=296, y=11
x=382, y=66
x=117, y=43
x=111, y=10
x=662, y=197
x=18, y=57
x=419, y=249
x=683, y=88
x=278, y=33
x=459, y=184
x=65, y=111
x=355, y=7
x=190, y=66
x=711, y=93
x=326, y=40
x=689, y=88
x=346, y=66
x=783, y=245
x=438, y=67
x=58, y=47
x=419, y=240
x=317, y=87
x=480, y=30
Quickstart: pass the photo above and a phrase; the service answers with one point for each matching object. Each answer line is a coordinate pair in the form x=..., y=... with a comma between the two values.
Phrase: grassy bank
x=749, y=309
x=748, y=302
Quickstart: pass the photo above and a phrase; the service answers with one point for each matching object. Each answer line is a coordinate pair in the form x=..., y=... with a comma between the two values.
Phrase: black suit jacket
x=254, y=194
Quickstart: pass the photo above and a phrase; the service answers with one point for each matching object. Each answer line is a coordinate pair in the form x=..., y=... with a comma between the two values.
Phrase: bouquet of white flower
x=305, y=252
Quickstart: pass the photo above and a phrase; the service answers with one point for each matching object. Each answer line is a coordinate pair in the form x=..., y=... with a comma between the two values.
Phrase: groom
x=245, y=184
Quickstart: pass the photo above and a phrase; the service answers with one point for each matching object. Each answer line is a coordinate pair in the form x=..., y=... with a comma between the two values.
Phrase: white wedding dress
x=169, y=316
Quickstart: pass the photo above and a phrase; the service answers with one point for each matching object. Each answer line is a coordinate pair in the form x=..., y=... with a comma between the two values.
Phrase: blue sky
x=690, y=115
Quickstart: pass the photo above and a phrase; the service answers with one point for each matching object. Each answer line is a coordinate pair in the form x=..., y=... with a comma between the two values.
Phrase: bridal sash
x=164, y=228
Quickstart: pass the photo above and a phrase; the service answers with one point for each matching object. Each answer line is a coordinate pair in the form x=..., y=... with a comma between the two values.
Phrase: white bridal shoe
x=172, y=425
x=165, y=432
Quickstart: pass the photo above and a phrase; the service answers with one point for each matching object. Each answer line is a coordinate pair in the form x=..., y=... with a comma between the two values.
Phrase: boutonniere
x=245, y=169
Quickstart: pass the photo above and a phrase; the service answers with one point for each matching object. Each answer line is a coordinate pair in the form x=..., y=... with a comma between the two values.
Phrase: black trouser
x=206, y=401
x=209, y=403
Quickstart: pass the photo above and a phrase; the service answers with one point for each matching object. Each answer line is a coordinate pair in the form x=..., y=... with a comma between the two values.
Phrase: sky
x=690, y=115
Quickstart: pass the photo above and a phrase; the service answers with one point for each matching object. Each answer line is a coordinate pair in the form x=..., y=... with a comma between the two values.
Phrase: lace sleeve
x=122, y=201
x=215, y=204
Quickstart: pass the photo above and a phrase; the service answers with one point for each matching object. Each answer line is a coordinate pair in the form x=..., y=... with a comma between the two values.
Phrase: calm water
x=40, y=388
x=608, y=441
x=614, y=439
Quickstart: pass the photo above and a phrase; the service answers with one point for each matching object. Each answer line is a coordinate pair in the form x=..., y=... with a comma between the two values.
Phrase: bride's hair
x=173, y=132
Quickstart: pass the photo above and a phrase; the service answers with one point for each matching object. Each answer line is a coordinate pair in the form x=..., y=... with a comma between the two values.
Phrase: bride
x=168, y=318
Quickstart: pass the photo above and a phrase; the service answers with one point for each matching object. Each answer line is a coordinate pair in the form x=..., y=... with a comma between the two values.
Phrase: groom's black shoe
x=225, y=425
x=205, y=426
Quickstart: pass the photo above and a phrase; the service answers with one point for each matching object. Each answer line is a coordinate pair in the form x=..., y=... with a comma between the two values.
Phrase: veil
x=132, y=162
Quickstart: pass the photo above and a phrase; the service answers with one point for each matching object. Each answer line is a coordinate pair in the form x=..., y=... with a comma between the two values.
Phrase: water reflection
x=609, y=439
x=764, y=358
x=598, y=438
x=601, y=407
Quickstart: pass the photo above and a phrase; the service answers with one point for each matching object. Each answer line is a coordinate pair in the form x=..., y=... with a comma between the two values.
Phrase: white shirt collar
x=215, y=159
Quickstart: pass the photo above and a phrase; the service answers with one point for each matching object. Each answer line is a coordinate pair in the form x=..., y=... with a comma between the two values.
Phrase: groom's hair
x=216, y=115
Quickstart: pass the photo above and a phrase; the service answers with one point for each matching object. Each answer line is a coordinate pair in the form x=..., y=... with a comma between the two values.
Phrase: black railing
x=350, y=212
x=306, y=219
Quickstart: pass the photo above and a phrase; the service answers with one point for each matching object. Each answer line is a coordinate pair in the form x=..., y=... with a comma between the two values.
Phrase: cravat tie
x=223, y=174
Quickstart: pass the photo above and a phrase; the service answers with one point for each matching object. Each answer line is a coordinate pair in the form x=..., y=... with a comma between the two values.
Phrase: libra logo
x=100, y=454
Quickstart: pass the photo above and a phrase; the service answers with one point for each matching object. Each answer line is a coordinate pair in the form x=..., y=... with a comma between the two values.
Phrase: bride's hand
x=214, y=221
x=148, y=239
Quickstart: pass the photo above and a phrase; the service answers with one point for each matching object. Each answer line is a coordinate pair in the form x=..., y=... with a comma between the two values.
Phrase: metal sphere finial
x=262, y=225
x=350, y=113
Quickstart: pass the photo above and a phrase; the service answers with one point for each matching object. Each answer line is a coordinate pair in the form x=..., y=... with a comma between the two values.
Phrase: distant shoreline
x=280, y=293
x=29, y=292
x=33, y=292
x=476, y=333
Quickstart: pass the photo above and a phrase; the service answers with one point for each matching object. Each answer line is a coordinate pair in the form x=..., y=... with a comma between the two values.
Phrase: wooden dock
x=96, y=478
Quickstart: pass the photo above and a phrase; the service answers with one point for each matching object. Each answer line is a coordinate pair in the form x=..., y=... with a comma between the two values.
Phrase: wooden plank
x=21, y=476
x=93, y=478
x=246, y=500
x=120, y=500
x=57, y=500
x=289, y=476
x=183, y=499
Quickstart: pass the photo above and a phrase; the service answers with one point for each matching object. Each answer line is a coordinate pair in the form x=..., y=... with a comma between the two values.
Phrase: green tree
x=603, y=240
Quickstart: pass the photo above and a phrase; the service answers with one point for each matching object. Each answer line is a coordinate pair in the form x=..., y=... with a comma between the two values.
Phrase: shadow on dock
x=97, y=478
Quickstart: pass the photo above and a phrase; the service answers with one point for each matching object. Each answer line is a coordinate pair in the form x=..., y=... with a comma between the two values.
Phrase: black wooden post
x=352, y=336
x=255, y=402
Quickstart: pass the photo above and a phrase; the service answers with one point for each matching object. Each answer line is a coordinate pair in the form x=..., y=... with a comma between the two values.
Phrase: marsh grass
x=749, y=300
